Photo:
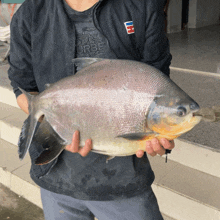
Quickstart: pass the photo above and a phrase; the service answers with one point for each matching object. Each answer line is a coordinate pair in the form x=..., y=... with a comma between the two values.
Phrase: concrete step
x=183, y=193
x=6, y=92
x=11, y=120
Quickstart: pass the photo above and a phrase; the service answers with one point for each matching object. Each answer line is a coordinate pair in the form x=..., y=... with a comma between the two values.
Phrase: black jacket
x=42, y=49
x=43, y=39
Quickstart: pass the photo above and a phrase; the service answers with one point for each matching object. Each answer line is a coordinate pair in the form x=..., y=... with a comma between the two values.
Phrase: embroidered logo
x=129, y=27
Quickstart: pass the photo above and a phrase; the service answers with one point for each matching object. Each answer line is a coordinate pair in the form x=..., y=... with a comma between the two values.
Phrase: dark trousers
x=61, y=207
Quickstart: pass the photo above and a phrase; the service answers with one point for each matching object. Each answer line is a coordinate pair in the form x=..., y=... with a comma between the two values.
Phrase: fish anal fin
x=50, y=154
x=47, y=135
x=51, y=141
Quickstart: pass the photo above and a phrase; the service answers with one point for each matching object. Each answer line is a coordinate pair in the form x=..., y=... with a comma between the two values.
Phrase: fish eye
x=181, y=111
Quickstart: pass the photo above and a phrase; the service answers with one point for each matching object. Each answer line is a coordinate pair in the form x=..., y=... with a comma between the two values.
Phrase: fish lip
x=196, y=113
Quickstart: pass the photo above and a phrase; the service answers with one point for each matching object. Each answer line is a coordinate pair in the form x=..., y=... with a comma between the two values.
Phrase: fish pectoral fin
x=86, y=61
x=51, y=141
x=136, y=136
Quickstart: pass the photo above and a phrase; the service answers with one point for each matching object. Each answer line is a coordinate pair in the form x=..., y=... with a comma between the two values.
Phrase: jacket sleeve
x=156, y=48
x=21, y=71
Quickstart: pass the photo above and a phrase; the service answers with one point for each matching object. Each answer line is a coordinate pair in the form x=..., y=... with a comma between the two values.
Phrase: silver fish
x=119, y=104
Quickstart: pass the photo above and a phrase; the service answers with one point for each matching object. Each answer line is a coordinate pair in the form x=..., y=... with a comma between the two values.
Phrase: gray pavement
x=205, y=91
x=196, y=49
x=13, y=207
x=199, y=49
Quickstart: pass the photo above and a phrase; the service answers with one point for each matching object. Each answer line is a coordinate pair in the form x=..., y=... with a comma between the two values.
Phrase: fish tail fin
x=27, y=132
x=29, y=127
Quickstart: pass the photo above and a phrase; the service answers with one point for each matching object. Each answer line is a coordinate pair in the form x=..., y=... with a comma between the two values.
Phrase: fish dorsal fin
x=86, y=61
x=136, y=136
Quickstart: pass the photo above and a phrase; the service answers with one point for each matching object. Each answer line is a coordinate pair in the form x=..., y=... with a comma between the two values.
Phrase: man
x=45, y=37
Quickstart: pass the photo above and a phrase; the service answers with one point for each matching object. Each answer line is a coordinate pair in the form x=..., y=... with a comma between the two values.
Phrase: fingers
x=154, y=147
x=75, y=148
x=140, y=153
x=75, y=142
x=167, y=144
x=86, y=149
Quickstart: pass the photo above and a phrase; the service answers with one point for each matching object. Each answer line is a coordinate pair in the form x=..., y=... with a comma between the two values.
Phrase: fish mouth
x=209, y=114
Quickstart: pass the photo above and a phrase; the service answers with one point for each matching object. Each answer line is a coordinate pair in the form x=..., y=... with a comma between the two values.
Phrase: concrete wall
x=203, y=13
x=208, y=12
x=192, y=13
x=174, y=16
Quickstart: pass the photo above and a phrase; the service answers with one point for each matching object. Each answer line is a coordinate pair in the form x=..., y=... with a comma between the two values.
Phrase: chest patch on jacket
x=129, y=27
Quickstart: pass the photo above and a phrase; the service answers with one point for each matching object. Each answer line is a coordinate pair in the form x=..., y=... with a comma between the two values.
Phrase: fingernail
x=89, y=141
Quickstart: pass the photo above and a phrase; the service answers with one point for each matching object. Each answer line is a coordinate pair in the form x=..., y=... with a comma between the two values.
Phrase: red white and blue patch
x=129, y=27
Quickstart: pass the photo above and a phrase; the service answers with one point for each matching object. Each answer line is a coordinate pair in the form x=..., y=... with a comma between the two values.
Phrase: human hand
x=75, y=148
x=154, y=147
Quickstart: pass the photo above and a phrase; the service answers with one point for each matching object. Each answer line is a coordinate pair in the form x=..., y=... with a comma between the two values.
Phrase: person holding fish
x=45, y=38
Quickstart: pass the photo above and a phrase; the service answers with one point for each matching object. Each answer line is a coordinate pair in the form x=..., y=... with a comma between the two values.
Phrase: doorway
x=185, y=14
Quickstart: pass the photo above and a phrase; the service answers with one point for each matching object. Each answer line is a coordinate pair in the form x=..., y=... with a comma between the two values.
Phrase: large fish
x=119, y=104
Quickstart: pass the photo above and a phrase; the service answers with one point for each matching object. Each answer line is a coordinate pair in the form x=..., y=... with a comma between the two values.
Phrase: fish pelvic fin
x=51, y=141
x=109, y=158
x=136, y=136
x=86, y=61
